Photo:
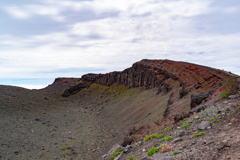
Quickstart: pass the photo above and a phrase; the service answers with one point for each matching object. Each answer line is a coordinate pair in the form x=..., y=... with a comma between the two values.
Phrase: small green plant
x=160, y=136
x=184, y=119
x=137, y=126
x=152, y=151
x=180, y=114
x=205, y=116
x=199, y=134
x=132, y=158
x=211, y=111
x=198, y=120
x=218, y=120
x=224, y=111
x=163, y=139
x=198, y=114
x=175, y=152
x=204, y=111
x=225, y=93
x=215, y=101
x=112, y=158
x=227, y=114
x=177, y=131
x=186, y=125
x=134, y=136
x=169, y=138
x=208, y=107
x=219, y=115
x=212, y=119
x=167, y=128
x=149, y=137
x=135, y=144
x=233, y=85
x=161, y=147
x=115, y=154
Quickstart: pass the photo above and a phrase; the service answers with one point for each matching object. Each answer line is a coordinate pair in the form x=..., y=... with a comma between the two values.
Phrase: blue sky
x=42, y=40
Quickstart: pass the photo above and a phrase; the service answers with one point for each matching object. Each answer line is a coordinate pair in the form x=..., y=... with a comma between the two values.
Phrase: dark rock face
x=75, y=89
x=182, y=92
x=127, y=141
x=197, y=99
x=165, y=88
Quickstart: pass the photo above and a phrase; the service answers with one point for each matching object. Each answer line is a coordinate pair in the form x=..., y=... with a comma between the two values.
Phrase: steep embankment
x=97, y=110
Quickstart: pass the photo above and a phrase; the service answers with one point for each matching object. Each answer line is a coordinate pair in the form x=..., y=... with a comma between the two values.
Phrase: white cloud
x=114, y=43
x=17, y=12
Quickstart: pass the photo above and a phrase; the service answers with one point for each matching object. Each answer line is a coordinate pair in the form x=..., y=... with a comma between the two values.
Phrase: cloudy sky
x=44, y=39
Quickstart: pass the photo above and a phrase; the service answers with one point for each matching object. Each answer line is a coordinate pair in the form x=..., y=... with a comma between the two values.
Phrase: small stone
x=222, y=145
x=209, y=127
x=177, y=140
x=203, y=125
x=228, y=157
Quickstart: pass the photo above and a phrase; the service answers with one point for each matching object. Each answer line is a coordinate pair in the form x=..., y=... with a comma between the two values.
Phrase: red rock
x=166, y=148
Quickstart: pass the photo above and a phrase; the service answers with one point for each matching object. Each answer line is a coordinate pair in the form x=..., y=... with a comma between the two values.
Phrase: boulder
x=127, y=141
x=166, y=148
x=197, y=99
x=203, y=125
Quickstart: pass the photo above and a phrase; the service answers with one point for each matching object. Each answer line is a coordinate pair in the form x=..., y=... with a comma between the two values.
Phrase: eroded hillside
x=81, y=118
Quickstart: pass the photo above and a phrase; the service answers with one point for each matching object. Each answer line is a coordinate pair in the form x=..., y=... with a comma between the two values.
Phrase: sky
x=41, y=40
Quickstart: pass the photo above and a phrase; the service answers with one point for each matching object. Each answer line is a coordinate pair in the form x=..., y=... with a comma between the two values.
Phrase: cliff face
x=156, y=73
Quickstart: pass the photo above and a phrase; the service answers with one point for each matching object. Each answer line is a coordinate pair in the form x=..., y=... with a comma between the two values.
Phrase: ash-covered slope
x=97, y=110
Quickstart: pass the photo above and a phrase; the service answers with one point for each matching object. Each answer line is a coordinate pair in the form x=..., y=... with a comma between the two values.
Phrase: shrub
x=112, y=158
x=212, y=119
x=160, y=136
x=169, y=138
x=199, y=134
x=152, y=151
x=167, y=128
x=132, y=158
x=175, y=152
x=149, y=137
x=186, y=125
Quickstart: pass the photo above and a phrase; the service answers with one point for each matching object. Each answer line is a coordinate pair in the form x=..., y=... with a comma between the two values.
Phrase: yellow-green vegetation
x=115, y=154
x=175, y=152
x=163, y=139
x=186, y=125
x=225, y=93
x=184, y=119
x=219, y=115
x=152, y=151
x=133, y=136
x=211, y=111
x=198, y=120
x=177, y=131
x=160, y=136
x=169, y=138
x=199, y=134
x=167, y=128
x=218, y=120
x=212, y=119
x=149, y=137
x=132, y=158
